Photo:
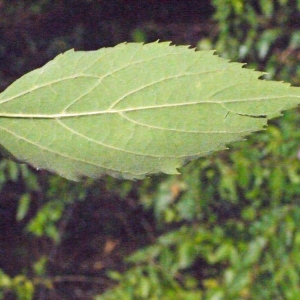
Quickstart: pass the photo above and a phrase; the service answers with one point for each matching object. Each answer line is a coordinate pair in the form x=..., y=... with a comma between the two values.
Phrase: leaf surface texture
x=134, y=110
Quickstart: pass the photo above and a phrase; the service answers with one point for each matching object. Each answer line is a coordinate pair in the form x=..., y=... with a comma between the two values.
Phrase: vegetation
x=226, y=228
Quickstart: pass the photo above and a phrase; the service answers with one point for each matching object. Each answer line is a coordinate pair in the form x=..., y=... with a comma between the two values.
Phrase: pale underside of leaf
x=134, y=110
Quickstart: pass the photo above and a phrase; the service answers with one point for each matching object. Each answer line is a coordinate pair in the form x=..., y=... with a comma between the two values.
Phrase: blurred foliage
x=228, y=226
x=20, y=285
x=240, y=236
x=265, y=34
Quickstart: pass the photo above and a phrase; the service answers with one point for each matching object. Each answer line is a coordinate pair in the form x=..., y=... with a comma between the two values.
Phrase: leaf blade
x=134, y=110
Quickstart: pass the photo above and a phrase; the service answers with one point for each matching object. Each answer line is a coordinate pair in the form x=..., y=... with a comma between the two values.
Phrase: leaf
x=134, y=110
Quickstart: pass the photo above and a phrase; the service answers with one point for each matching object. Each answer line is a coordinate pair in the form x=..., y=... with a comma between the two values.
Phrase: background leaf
x=134, y=110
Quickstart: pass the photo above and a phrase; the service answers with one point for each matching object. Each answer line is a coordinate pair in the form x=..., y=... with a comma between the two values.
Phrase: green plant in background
x=20, y=285
x=260, y=32
x=243, y=203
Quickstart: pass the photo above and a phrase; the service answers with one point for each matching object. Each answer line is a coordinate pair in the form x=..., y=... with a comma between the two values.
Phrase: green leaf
x=23, y=207
x=134, y=110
